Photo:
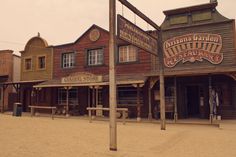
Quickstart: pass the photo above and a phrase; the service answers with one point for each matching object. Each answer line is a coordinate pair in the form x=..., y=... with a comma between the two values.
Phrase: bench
x=124, y=112
x=52, y=108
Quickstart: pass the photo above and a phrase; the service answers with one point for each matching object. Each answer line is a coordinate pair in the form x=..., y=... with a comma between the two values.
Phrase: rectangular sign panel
x=193, y=47
x=127, y=31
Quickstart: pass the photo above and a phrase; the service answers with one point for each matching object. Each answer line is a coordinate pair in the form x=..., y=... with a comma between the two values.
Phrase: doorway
x=193, y=101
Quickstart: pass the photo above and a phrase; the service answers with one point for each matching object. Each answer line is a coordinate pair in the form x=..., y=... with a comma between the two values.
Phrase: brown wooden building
x=199, y=58
x=80, y=75
x=9, y=71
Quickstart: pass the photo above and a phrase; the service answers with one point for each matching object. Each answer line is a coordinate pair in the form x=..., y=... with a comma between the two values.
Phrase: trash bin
x=17, y=109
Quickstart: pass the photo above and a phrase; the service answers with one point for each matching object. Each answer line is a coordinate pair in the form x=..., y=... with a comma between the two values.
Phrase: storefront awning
x=120, y=79
x=22, y=82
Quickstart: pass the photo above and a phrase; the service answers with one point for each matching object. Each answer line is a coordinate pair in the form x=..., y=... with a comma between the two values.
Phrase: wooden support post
x=67, y=101
x=4, y=87
x=211, y=106
x=90, y=116
x=175, y=95
x=37, y=96
x=162, y=84
x=112, y=75
x=138, y=104
x=89, y=105
x=1, y=97
x=149, y=102
x=32, y=111
x=93, y=101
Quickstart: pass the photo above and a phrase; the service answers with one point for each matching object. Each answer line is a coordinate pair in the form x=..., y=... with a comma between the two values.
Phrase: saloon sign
x=193, y=47
x=136, y=36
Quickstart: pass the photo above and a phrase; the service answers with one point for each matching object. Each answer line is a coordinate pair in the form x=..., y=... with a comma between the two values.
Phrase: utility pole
x=112, y=75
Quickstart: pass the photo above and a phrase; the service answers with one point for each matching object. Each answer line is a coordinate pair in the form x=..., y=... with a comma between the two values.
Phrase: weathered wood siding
x=225, y=30
x=83, y=44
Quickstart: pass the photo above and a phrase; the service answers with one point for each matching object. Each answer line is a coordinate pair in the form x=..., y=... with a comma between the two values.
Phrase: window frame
x=38, y=63
x=127, y=61
x=31, y=65
x=69, y=59
x=96, y=58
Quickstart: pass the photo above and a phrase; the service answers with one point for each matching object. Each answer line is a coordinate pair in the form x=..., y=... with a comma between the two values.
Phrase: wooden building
x=199, y=58
x=36, y=67
x=9, y=71
x=80, y=75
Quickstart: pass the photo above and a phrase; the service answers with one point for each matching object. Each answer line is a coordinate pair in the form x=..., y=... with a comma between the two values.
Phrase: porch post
x=89, y=97
x=138, y=104
x=93, y=101
x=175, y=93
x=149, y=102
x=1, y=96
x=211, y=107
x=67, y=101
x=37, y=96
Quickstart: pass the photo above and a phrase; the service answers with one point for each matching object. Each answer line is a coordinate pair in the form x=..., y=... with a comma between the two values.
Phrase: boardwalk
x=43, y=137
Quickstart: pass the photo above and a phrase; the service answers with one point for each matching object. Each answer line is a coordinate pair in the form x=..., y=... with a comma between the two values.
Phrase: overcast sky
x=63, y=21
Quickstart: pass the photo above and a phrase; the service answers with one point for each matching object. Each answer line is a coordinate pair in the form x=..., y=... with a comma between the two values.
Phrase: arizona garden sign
x=193, y=47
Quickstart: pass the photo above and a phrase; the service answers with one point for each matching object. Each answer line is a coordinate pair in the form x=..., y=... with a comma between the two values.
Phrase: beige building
x=36, y=61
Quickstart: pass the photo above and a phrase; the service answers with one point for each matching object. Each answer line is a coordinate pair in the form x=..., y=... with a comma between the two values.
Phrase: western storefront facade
x=199, y=57
x=200, y=61
x=80, y=75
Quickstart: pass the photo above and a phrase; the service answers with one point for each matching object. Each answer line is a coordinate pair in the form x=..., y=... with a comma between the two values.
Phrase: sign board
x=82, y=77
x=193, y=47
x=127, y=31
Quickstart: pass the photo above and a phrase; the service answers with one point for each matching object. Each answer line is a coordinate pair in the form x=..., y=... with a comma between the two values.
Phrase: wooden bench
x=52, y=108
x=124, y=112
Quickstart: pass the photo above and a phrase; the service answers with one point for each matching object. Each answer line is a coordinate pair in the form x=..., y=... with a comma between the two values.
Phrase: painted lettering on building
x=82, y=77
x=193, y=47
x=136, y=36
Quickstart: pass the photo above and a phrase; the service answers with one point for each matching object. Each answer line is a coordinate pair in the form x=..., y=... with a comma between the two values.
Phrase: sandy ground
x=43, y=137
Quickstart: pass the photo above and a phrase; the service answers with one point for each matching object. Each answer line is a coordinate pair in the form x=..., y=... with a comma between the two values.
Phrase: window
x=41, y=62
x=28, y=64
x=95, y=57
x=68, y=60
x=73, y=96
x=127, y=54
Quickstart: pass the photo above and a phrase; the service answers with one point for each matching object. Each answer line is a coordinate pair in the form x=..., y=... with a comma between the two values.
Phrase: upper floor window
x=41, y=62
x=28, y=64
x=95, y=57
x=68, y=60
x=127, y=54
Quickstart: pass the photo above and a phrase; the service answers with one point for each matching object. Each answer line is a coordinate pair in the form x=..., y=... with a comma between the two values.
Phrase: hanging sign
x=127, y=31
x=82, y=77
x=193, y=47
